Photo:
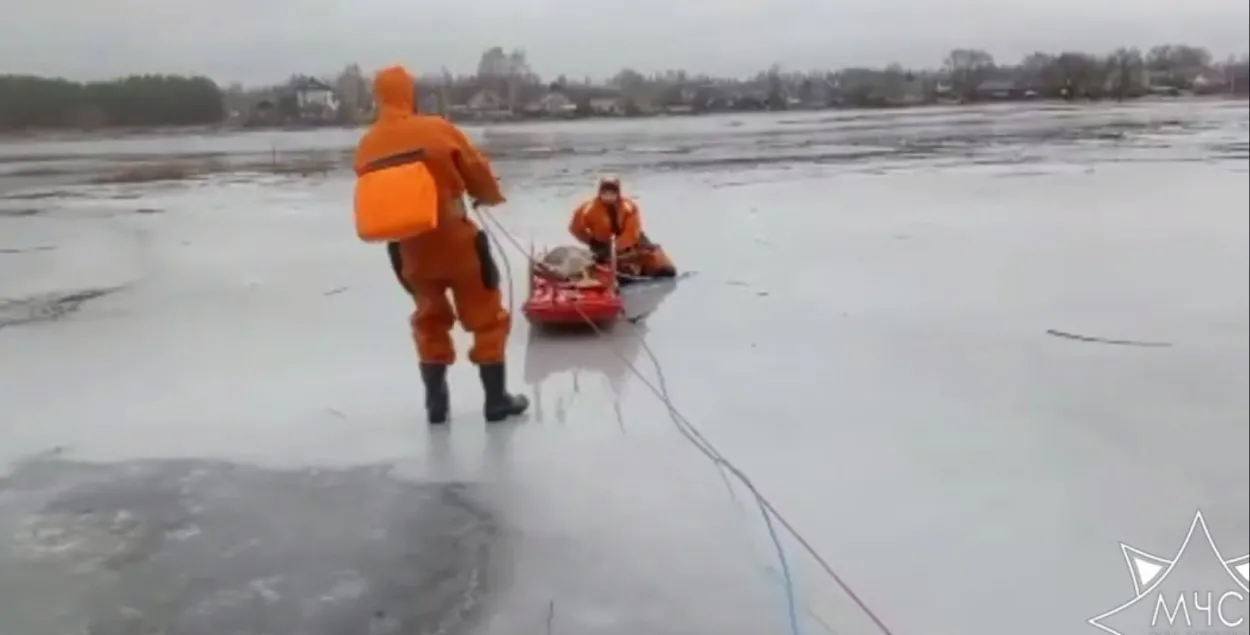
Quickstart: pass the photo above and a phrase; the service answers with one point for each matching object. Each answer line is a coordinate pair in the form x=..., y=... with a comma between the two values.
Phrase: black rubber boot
x=437, y=399
x=499, y=404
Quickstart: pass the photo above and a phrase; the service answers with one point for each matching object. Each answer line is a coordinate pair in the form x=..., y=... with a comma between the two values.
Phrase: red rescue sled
x=552, y=301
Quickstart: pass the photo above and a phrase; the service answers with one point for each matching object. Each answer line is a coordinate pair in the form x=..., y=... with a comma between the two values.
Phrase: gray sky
x=257, y=41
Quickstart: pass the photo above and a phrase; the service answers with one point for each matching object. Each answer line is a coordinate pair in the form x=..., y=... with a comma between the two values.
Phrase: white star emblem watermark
x=1188, y=609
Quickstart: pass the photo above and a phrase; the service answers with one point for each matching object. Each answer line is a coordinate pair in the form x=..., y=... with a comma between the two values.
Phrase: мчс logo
x=1196, y=592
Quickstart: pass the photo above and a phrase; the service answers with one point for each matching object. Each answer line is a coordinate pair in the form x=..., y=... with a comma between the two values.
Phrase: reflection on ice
x=565, y=358
x=643, y=299
x=557, y=364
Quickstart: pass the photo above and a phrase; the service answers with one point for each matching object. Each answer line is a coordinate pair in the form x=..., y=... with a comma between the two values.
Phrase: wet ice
x=866, y=337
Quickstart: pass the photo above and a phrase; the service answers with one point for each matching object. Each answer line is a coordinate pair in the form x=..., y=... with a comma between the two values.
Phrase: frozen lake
x=212, y=413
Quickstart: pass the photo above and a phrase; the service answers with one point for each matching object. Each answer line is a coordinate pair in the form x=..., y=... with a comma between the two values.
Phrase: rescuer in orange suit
x=609, y=214
x=454, y=257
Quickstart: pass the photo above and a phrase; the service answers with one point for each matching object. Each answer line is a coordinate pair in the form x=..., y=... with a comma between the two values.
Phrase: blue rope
x=688, y=430
x=787, y=580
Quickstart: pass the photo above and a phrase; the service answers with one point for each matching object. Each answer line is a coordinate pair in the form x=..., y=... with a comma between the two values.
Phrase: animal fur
x=568, y=262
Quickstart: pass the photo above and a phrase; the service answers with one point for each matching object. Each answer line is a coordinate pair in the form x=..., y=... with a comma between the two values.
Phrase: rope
x=705, y=447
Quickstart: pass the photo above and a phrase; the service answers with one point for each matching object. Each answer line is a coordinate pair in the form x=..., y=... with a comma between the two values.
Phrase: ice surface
x=225, y=432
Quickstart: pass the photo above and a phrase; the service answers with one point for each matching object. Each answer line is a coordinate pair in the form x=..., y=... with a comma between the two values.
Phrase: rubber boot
x=499, y=404
x=437, y=399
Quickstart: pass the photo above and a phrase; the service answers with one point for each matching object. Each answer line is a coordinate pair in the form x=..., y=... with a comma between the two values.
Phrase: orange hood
x=394, y=91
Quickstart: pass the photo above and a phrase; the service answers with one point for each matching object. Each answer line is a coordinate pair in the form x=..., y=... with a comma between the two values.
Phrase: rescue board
x=596, y=299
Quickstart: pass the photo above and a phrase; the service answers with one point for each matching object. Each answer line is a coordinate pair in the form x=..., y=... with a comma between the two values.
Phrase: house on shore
x=485, y=104
x=1213, y=82
x=315, y=100
x=485, y=100
x=997, y=90
x=556, y=104
x=608, y=107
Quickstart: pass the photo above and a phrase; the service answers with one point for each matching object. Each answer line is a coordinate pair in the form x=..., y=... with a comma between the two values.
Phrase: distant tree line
x=505, y=82
x=1123, y=73
x=30, y=102
x=964, y=75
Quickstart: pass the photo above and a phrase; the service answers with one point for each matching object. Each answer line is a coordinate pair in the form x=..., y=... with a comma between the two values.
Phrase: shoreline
x=225, y=128
x=840, y=137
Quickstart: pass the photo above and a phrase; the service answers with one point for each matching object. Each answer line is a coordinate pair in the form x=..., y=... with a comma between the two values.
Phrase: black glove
x=601, y=250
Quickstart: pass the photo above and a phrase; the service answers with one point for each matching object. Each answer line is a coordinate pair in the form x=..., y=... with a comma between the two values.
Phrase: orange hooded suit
x=455, y=256
x=596, y=222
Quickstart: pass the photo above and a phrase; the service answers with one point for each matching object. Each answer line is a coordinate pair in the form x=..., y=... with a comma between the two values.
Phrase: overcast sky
x=260, y=41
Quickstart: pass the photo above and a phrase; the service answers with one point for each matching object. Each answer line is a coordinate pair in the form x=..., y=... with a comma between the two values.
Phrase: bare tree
x=894, y=82
x=1035, y=68
x=1125, y=67
x=519, y=75
x=1177, y=64
x=776, y=87
x=806, y=90
x=353, y=92
x=1177, y=57
x=493, y=64
x=519, y=65
x=235, y=99
x=630, y=82
x=1079, y=75
x=967, y=69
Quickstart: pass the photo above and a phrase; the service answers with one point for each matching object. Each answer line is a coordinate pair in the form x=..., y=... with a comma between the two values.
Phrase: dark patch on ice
x=26, y=250
x=45, y=194
x=21, y=213
x=192, y=547
x=1231, y=150
x=46, y=308
x=149, y=210
x=1019, y=174
x=1104, y=340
